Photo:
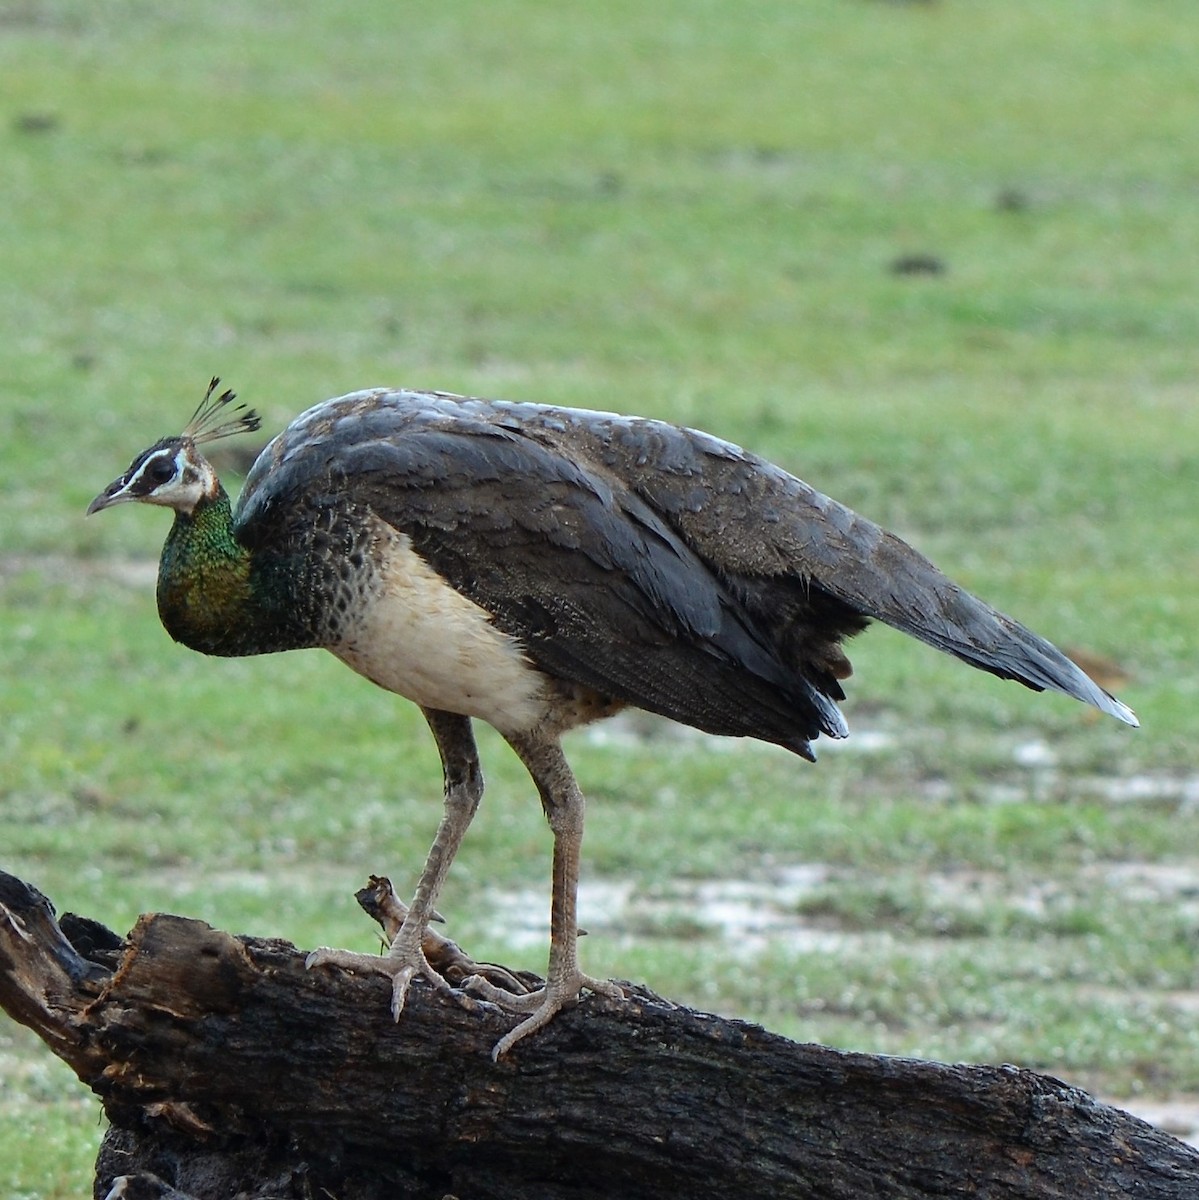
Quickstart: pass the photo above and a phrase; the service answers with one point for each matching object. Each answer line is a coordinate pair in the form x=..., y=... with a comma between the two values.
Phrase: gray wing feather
x=705, y=540
x=751, y=520
x=597, y=586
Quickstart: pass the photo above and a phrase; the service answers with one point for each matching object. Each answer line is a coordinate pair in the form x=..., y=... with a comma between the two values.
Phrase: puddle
x=751, y=914
x=1036, y=759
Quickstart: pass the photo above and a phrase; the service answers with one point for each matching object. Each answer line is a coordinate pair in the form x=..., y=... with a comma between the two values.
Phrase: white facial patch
x=191, y=479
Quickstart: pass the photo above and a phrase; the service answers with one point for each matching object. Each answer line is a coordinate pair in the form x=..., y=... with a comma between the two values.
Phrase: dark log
x=226, y=1069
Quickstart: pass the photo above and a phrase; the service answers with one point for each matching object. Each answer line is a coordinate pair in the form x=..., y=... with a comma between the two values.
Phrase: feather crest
x=207, y=425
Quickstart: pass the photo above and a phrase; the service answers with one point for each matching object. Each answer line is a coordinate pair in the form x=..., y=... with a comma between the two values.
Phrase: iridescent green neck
x=212, y=596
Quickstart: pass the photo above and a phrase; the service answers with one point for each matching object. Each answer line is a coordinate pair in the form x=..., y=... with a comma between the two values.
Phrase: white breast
x=420, y=638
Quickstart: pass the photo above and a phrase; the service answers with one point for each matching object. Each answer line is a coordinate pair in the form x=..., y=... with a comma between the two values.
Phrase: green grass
x=688, y=211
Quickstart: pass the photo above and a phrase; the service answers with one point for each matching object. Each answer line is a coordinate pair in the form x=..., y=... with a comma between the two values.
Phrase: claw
x=399, y=990
x=401, y=964
x=542, y=1005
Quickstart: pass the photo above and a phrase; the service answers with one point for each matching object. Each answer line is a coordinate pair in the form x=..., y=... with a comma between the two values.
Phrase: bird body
x=429, y=643
x=538, y=568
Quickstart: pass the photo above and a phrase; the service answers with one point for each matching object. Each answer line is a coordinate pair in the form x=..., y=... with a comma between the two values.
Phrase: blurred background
x=937, y=258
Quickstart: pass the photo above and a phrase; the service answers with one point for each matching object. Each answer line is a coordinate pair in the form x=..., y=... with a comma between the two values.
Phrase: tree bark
x=227, y=1069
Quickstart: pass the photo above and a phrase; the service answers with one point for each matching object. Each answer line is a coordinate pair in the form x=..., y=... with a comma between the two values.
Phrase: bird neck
x=212, y=596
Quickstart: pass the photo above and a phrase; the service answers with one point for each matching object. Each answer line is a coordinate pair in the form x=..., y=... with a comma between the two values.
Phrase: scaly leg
x=463, y=790
x=564, y=808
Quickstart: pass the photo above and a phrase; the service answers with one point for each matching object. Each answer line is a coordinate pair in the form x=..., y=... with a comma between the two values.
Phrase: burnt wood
x=228, y=1070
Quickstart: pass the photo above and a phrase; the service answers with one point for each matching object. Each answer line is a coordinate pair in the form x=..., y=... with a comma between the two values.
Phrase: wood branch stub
x=379, y=901
x=226, y=1068
x=45, y=982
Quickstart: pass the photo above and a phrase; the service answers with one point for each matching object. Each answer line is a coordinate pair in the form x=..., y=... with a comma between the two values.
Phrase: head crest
x=207, y=423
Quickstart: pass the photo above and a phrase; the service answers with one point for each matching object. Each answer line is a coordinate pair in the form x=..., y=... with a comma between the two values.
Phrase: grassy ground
x=692, y=211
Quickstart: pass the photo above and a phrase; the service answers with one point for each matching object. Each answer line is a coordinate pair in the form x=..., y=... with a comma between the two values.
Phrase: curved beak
x=113, y=494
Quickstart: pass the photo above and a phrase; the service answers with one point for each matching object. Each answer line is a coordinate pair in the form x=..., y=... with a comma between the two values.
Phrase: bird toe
x=484, y=989
x=542, y=1005
x=401, y=968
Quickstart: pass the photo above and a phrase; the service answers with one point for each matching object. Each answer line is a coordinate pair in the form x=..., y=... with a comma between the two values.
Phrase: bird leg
x=405, y=959
x=564, y=807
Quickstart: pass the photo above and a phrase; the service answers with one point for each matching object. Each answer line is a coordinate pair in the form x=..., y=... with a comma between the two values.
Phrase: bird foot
x=542, y=1005
x=379, y=900
x=401, y=964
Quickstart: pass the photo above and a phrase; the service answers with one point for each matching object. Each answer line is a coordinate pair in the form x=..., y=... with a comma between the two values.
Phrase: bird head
x=173, y=473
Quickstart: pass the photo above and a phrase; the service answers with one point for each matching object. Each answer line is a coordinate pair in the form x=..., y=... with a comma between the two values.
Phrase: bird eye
x=160, y=471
